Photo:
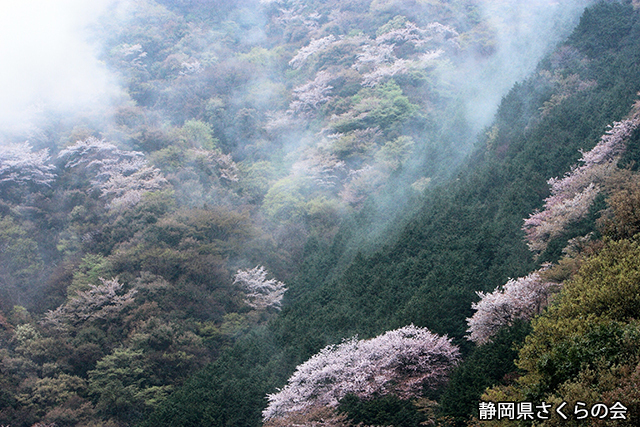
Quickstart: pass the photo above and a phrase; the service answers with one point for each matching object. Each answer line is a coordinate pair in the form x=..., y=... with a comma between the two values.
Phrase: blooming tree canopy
x=19, y=165
x=401, y=361
x=121, y=176
x=99, y=302
x=260, y=293
x=521, y=298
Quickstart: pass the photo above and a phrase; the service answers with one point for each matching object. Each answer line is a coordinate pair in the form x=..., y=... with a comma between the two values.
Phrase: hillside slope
x=467, y=236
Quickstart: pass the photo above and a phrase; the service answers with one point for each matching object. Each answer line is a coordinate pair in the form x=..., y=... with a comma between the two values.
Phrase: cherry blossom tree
x=572, y=196
x=102, y=159
x=311, y=95
x=314, y=47
x=125, y=191
x=121, y=176
x=521, y=298
x=20, y=165
x=380, y=73
x=402, y=361
x=99, y=302
x=409, y=32
x=260, y=292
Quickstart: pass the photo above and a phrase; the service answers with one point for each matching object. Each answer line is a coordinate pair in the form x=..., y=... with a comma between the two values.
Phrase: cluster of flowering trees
x=572, y=196
x=570, y=200
x=356, y=128
x=402, y=361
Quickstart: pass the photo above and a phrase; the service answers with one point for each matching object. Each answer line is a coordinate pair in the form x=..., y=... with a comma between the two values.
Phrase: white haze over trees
x=48, y=63
x=525, y=31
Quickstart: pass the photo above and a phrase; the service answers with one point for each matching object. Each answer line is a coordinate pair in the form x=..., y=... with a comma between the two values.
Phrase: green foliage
x=383, y=411
x=604, y=27
x=585, y=347
x=196, y=134
x=118, y=381
x=89, y=272
x=284, y=200
x=605, y=290
x=487, y=365
x=385, y=106
x=228, y=392
x=394, y=153
x=19, y=257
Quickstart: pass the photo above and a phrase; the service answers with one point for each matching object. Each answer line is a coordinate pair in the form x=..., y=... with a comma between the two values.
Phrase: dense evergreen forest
x=355, y=213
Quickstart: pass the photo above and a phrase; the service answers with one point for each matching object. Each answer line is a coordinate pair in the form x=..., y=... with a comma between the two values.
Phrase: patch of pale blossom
x=216, y=160
x=443, y=31
x=121, y=176
x=543, y=226
x=125, y=191
x=100, y=302
x=572, y=195
x=293, y=16
x=362, y=182
x=321, y=416
x=192, y=66
x=402, y=361
x=102, y=159
x=373, y=55
x=377, y=58
x=314, y=46
x=279, y=121
x=132, y=55
x=411, y=33
x=611, y=144
x=565, y=86
x=20, y=165
x=310, y=96
x=227, y=167
x=260, y=292
x=428, y=57
x=521, y=298
x=324, y=168
x=382, y=72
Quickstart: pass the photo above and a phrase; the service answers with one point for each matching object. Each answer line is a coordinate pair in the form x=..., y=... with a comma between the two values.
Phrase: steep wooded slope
x=467, y=235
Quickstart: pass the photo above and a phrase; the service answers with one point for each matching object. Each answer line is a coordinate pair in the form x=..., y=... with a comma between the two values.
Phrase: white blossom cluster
x=521, y=298
x=403, y=361
x=411, y=33
x=101, y=302
x=125, y=191
x=260, y=293
x=312, y=48
x=131, y=54
x=311, y=95
x=379, y=59
x=103, y=159
x=572, y=196
x=19, y=165
x=376, y=60
x=323, y=167
x=121, y=176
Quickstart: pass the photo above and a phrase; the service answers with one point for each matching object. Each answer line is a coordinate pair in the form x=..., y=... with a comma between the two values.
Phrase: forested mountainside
x=305, y=213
